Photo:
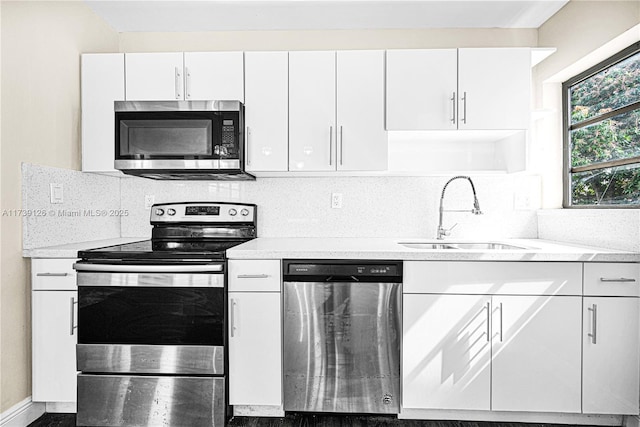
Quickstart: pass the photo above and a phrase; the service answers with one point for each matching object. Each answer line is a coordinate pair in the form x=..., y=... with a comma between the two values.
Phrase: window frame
x=566, y=129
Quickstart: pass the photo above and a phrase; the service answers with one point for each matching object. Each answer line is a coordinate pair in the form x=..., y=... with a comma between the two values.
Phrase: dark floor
x=297, y=420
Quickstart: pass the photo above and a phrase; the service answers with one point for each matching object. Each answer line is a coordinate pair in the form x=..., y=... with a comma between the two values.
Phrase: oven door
x=151, y=319
x=193, y=135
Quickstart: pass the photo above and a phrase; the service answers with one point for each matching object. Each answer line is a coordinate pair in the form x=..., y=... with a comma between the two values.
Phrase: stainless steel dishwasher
x=342, y=336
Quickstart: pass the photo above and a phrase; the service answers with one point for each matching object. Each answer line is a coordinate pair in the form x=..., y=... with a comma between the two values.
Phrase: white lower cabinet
x=446, y=355
x=490, y=349
x=501, y=353
x=255, y=333
x=54, y=326
x=610, y=355
x=536, y=350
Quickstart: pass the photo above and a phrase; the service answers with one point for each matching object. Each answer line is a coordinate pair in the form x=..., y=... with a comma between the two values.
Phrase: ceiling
x=232, y=15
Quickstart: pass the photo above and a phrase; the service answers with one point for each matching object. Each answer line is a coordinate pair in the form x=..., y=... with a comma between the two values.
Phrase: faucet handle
x=442, y=232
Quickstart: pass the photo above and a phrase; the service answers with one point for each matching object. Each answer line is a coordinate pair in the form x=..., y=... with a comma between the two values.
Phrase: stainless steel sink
x=489, y=246
x=419, y=245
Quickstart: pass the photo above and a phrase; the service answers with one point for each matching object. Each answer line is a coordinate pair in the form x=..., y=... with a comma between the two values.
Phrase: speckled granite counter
x=382, y=248
x=71, y=250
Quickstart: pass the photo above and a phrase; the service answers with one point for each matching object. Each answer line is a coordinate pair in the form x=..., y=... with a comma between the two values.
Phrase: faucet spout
x=475, y=210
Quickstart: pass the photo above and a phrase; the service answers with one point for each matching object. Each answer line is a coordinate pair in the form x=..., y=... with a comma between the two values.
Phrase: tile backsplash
x=301, y=207
x=605, y=228
x=372, y=206
x=88, y=212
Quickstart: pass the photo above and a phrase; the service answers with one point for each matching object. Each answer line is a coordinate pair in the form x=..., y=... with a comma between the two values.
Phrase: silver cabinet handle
x=232, y=317
x=188, y=83
x=53, y=274
x=500, y=322
x=330, y=143
x=248, y=155
x=488, y=322
x=594, y=323
x=453, y=111
x=621, y=279
x=464, y=108
x=341, y=145
x=177, y=83
x=253, y=276
x=73, y=316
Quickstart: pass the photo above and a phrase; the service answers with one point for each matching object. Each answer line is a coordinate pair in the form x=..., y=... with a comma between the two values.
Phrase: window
x=602, y=133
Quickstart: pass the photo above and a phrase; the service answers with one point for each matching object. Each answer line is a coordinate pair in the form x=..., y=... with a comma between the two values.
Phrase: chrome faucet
x=476, y=206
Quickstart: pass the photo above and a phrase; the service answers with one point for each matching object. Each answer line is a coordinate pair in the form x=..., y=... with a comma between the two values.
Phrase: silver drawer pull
x=620, y=279
x=53, y=274
x=253, y=276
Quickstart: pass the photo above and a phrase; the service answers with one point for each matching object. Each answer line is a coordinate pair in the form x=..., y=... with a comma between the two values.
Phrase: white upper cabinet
x=472, y=89
x=494, y=88
x=102, y=83
x=421, y=89
x=184, y=76
x=154, y=76
x=267, y=111
x=213, y=76
x=312, y=113
x=362, y=139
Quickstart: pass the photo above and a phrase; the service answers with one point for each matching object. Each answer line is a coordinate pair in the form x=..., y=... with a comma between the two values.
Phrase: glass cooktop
x=163, y=249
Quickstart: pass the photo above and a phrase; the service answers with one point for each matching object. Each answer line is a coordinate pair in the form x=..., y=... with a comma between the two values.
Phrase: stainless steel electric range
x=152, y=320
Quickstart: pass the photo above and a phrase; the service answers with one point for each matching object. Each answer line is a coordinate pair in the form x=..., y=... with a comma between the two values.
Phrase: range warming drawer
x=117, y=400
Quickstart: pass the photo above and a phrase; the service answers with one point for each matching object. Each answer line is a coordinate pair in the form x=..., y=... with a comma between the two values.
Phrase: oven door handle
x=115, y=268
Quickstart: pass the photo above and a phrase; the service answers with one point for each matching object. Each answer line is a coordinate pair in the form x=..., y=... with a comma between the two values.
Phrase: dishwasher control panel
x=332, y=270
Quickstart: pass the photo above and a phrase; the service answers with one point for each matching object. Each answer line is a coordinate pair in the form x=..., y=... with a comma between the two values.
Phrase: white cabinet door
x=102, y=84
x=536, y=353
x=255, y=349
x=446, y=352
x=267, y=110
x=54, y=346
x=421, y=89
x=362, y=140
x=312, y=111
x=610, y=358
x=494, y=87
x=154, y=76
x=214, y=76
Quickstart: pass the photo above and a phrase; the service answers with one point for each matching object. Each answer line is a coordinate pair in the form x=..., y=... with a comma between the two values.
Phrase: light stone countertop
x=70, y=250
x=386, y=248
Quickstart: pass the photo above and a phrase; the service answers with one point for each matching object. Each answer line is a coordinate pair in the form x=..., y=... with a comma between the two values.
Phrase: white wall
x=40, y=116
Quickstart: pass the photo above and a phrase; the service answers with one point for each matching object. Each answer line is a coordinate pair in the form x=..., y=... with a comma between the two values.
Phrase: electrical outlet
x=149, y=200
x=521, y=202
x=336, y=200
x=56, y=193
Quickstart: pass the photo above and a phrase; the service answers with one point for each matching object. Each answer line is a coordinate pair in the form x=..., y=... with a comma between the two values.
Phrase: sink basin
x=419, y=245
x=487, y=246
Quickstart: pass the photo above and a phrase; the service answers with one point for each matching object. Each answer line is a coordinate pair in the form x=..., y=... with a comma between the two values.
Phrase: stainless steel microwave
x=186, y=140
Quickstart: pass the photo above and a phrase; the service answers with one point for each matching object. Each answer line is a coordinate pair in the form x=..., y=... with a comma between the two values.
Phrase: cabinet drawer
x=53, y=274
x=612, y=279
x=255, y=275
x=494, y=278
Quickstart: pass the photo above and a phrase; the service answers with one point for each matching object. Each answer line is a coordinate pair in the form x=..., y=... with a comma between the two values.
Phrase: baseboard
x=522, y=417
x=61, y=407
x=22, y=414
x=632, y=421
x=257, y=411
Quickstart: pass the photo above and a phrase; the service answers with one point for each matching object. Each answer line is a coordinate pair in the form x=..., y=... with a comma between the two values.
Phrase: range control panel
x=202, y=212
